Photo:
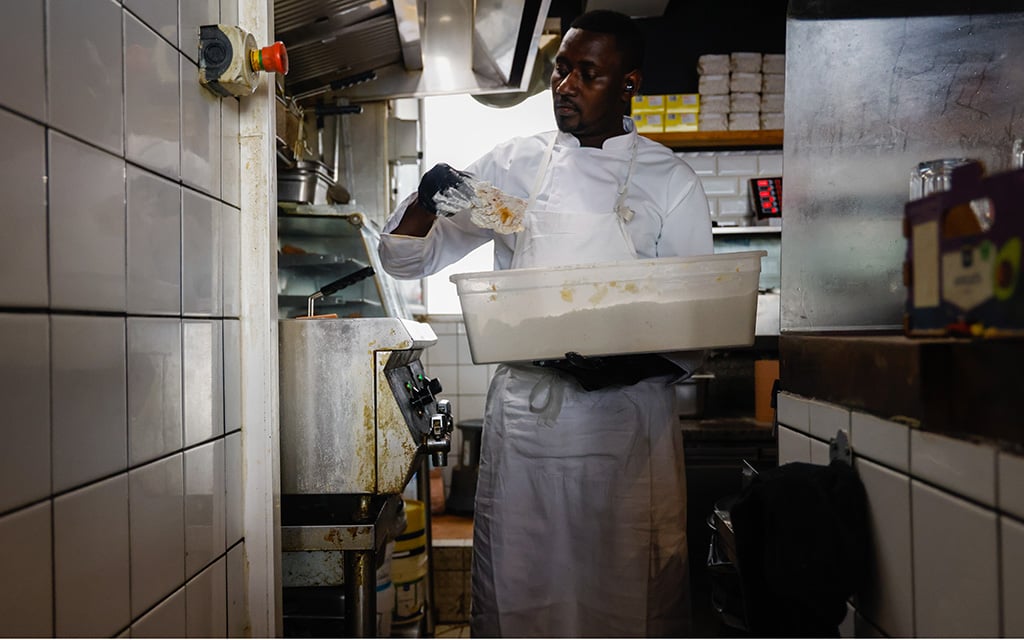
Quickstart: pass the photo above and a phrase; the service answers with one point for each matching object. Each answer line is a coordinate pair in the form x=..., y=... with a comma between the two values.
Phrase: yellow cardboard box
x=682, y=102
x=681, y=121
x=649, y=122
x=648, y=104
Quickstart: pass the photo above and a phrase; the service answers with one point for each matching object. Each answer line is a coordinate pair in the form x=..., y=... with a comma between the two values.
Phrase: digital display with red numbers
x=766, y=197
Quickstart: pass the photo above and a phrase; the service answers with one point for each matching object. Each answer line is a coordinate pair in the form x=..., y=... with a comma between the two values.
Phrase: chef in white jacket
x=580, y=516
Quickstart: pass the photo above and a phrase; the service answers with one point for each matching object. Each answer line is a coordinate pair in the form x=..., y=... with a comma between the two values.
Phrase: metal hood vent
x=365, y=50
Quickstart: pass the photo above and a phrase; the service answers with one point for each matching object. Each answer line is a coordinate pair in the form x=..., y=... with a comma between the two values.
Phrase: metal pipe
x=360, y=594
x=423, y=493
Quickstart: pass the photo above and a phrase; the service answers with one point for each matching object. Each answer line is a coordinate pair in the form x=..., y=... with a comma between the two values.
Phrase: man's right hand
x=443, y=180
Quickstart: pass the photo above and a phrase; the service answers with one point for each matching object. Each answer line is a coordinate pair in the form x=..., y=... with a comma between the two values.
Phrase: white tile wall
x=156, y=512
x=232, y=375
x=953, y=464
x=203, y=385
x=91, y=559
x=794, y=412
x=473, y=379
x=89, y=398
x=206, y=607
x=117, y=165
x=1011, y=484
x=154, y=244
x=889, y=598
x=87, y=226
x=23, y=261
x=26, y=592
x=725, y=176
x=946, y=551
x=85, y=86
x=25, y=397
x=881, y=440
x=159, y=15
x=793, y=446
x=204, y=506
x=193, y=14
x=233, y=488
x=231, y=256
x=154, y=388
x=956, y=573
x=21, y=39
x=1012, y=572
x=166, y=620
x=201, y=255
x=200, y=128
x=825, y=420
x=152, y=128
x=819, y=452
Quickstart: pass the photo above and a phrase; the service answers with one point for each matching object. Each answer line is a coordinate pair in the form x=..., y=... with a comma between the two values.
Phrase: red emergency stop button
x=273, y=59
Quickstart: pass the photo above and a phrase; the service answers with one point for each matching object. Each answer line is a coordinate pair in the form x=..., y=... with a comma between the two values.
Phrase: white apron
x=580, y=519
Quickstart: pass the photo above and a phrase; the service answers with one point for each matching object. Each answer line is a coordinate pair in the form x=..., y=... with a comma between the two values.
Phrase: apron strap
x=546, y=399
x=539, y=179
x=624, y=213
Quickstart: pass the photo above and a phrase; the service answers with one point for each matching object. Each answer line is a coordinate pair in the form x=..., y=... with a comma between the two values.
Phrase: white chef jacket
x=671, y=211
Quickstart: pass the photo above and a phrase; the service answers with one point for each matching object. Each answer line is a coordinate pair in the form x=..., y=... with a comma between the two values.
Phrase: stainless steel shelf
x=721, y=231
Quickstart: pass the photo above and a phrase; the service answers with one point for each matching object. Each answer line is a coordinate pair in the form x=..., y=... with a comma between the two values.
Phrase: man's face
x=587, y=87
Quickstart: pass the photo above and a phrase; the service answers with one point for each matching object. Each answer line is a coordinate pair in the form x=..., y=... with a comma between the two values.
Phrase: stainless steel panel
x=466, y=47
x=343, y=430
x=866, y=100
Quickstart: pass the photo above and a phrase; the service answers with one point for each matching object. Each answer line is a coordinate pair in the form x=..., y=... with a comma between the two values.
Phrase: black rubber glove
x=439, y=179
x=593, y=373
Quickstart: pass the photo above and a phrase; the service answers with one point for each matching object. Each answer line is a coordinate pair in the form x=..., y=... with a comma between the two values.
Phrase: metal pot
x=305, y=183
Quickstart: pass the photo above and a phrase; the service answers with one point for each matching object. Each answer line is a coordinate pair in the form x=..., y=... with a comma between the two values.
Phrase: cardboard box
x=649, y=122
x=648, y=104
x=963, y=260
x=682, y=102
x=681, y=121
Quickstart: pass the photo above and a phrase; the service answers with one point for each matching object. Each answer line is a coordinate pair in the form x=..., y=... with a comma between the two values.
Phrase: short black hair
x=627, y=34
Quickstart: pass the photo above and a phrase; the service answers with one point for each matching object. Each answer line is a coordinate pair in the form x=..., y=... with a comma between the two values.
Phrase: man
x=580, y=519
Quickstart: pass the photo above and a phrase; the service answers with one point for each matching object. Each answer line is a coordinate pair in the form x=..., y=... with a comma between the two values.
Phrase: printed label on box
x=685, y=102
x=967, y=275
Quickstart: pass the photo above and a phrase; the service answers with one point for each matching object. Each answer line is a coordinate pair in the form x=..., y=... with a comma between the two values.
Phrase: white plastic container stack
x=637, y=306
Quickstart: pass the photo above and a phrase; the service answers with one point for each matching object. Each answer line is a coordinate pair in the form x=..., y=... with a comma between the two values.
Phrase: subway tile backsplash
x=120, y=296
x=945, y=531
x=725, y=176
x=23, y=258
x=84, y=71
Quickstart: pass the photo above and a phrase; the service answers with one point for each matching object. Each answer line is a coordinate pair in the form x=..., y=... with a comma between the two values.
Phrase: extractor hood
x=364, y=50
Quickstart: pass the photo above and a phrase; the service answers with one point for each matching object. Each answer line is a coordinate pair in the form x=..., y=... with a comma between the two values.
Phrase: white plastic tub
x=637, y=306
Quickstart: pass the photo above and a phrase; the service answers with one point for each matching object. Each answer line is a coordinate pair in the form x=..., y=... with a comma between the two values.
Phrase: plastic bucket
x=409, y=566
